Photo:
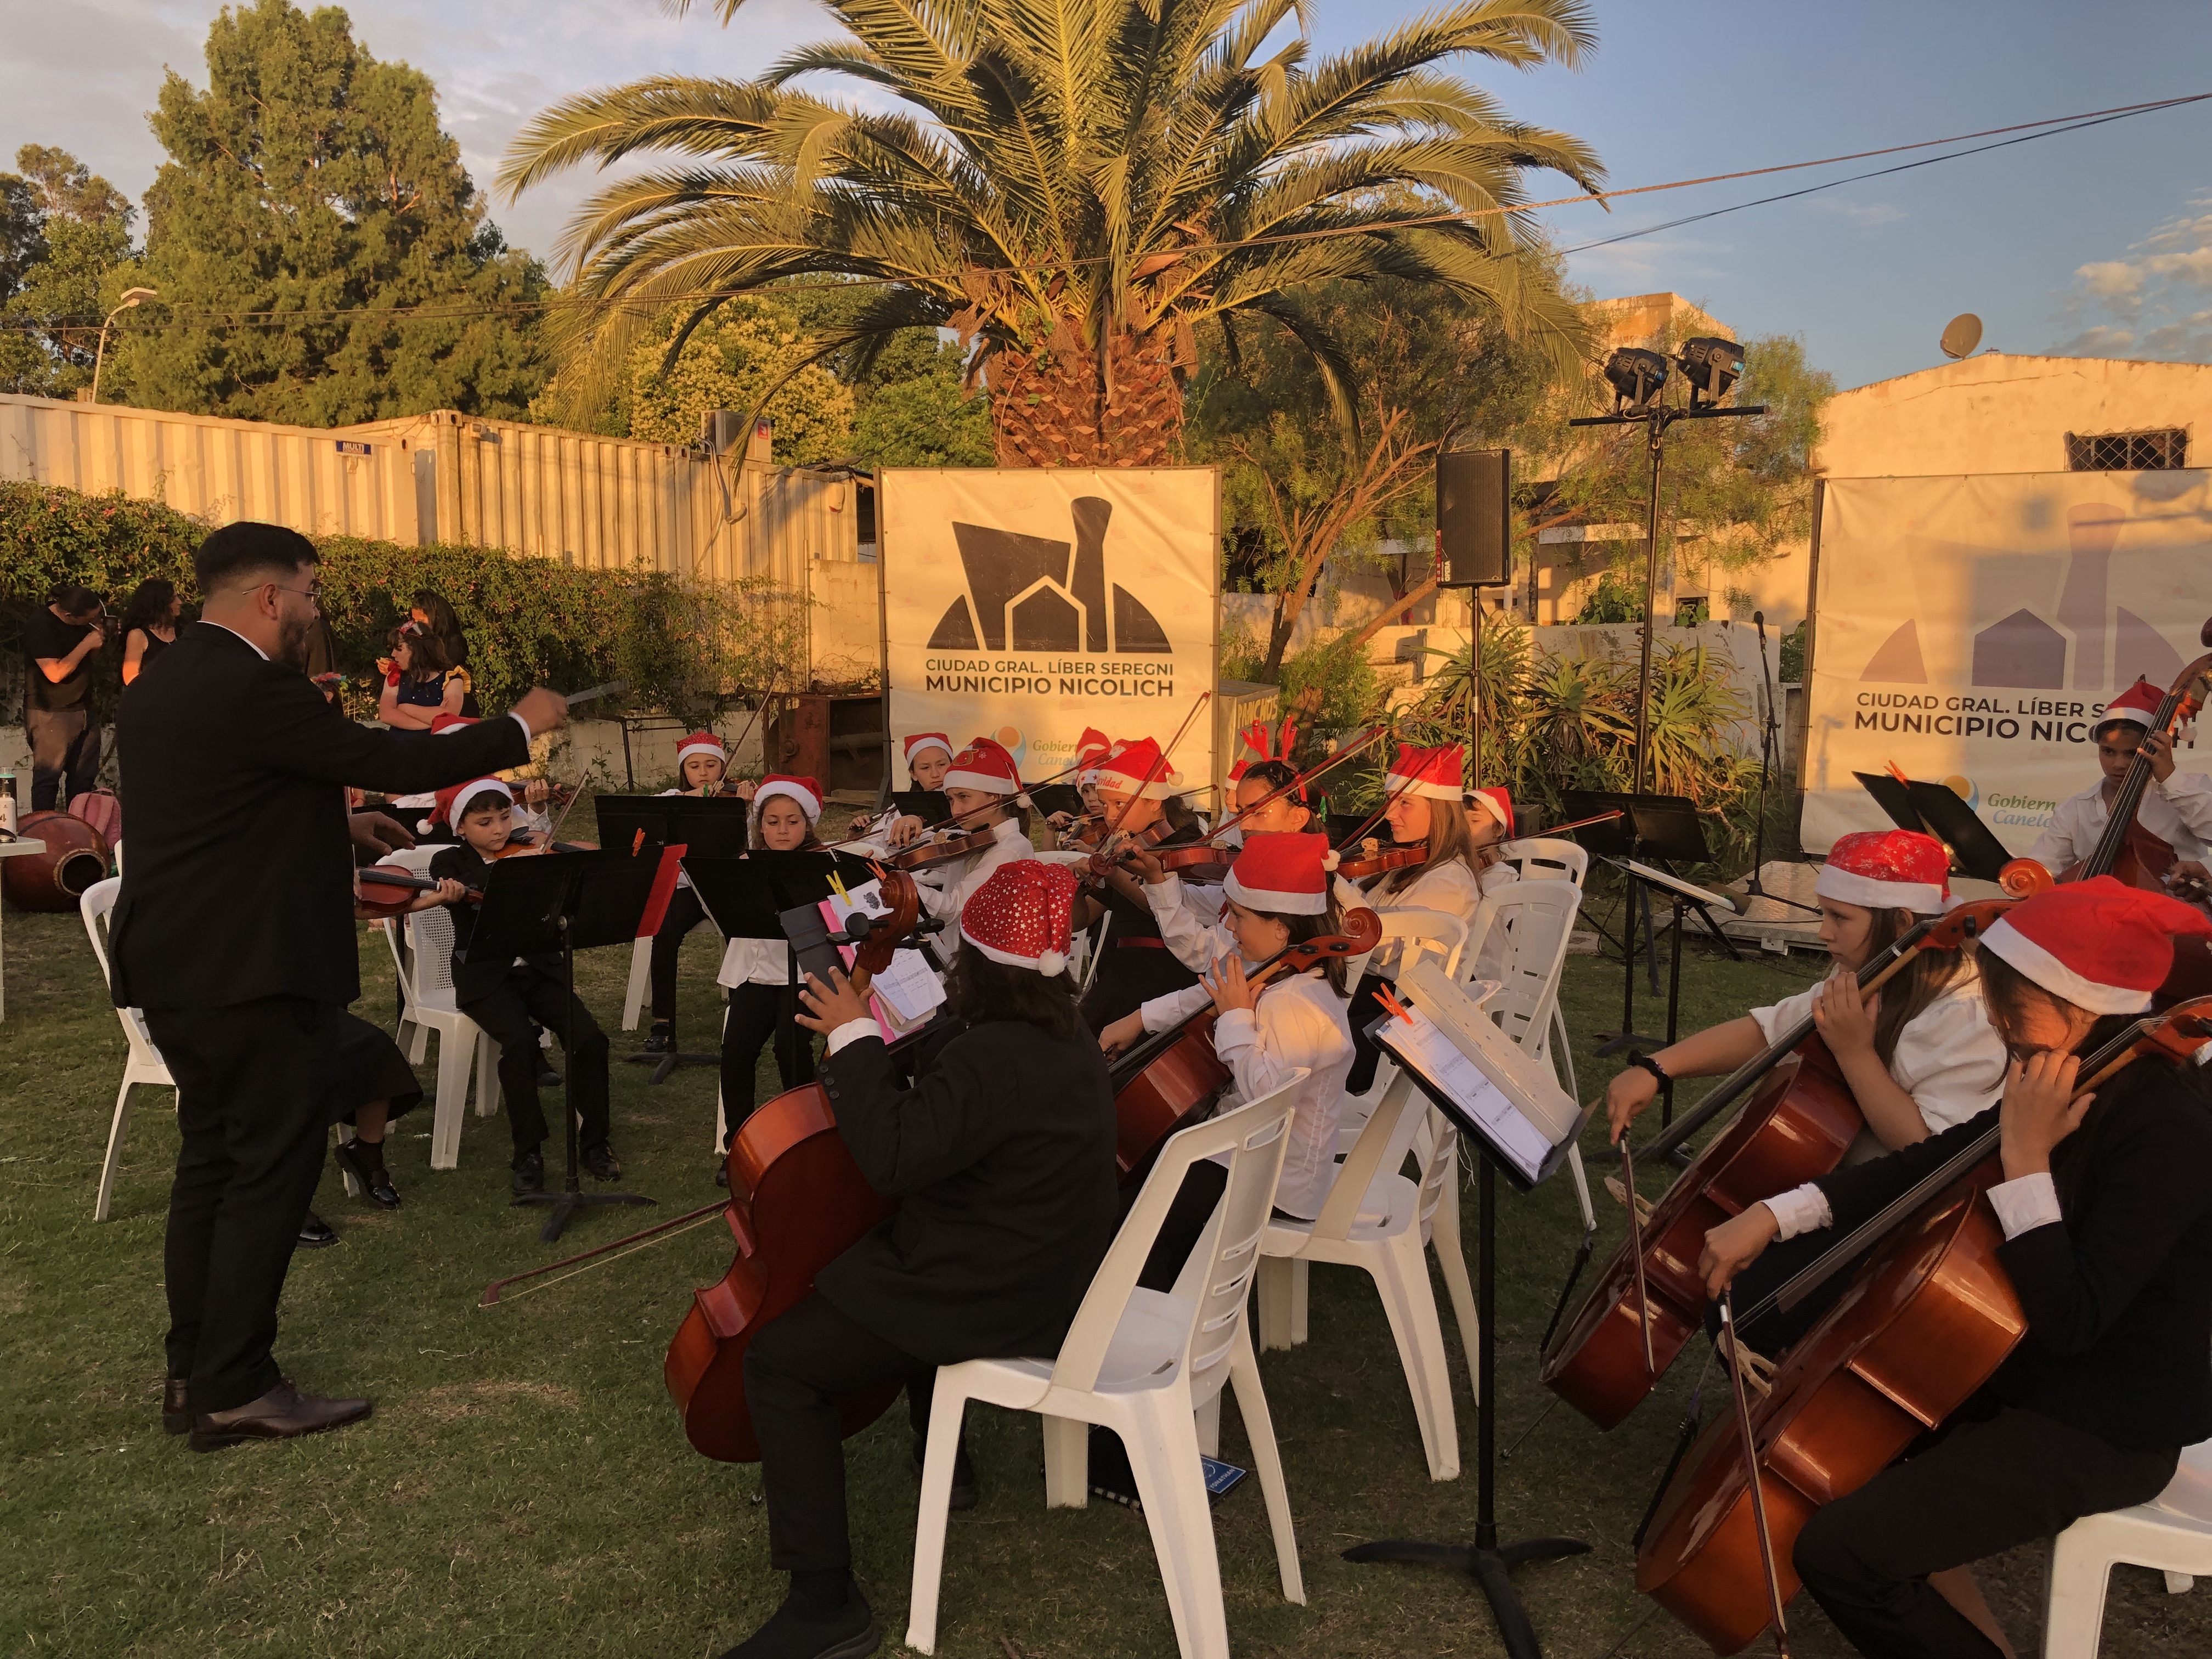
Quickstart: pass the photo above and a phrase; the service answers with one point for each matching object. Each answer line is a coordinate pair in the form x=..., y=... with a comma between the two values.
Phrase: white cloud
x=2140, y=305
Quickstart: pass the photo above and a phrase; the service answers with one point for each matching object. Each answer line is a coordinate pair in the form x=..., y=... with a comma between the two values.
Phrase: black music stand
x=567, y=901
x=1651, y=829
x=711, y=826
x=1487, y=1561
x=1935, y=809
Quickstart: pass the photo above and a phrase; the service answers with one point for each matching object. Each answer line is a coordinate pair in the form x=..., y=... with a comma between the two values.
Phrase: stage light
x=1635, y=376
x=1710, y=366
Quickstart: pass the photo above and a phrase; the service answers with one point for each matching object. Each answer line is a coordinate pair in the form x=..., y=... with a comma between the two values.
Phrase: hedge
x=528, y=620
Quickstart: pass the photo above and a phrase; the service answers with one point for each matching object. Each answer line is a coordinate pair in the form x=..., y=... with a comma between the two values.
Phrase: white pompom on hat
x=1889, y=870
x=1021, y=915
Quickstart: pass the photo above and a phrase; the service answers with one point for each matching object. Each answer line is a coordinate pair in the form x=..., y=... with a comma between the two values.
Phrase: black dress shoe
x=282, y=1413
x=316, y=1234
x=963, y=1495
x=600, y=1161
x=375, y=1180
x=722, y=1170
x=176, y=1407
x=795, y=1630
x=547, y=1077
x=528, y=1175
x=659, y=1041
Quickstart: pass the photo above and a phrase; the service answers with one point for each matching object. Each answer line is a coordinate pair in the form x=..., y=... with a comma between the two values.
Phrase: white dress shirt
x=2079, y=820
x=2021, y=1205
x=1948, y=1057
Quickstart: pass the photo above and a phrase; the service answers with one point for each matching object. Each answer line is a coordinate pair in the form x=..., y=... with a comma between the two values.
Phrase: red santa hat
x=805, y=791
x=985, y=765
x=1430, y=774
x=1889, y=870
x=1136, y=767
x=1020, y=915
x=452, y=800
x=1090, y=749
x=701, y=743
x=2137, y=704
x=2101, y=945
x=1286, y=875
x=922, y=742
x=1495, y=801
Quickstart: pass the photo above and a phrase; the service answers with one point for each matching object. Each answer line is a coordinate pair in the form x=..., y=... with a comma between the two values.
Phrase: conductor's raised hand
x=377, y=835
x=542, y=710
x=840, y=1002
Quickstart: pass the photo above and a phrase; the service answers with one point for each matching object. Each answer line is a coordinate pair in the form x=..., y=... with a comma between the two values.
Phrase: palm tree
x=1076, y=186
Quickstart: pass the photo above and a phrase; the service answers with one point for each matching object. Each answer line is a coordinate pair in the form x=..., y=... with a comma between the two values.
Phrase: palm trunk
x=1054, y=409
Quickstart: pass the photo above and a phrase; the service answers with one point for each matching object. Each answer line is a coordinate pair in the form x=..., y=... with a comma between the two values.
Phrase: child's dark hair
x=428, y=659
x=2005, y=991
x=1276, y=775
x=1335, y=969
x=978, y=991
x=484, y=801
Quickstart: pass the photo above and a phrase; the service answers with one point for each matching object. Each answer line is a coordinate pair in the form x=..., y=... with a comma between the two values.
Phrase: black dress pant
x=796, y=1371
x=1777, y=1332
x=757, y=1014
x=64, y=747
x=1986, y=1485
x=528, y=995
x=684, y=914
x=1366, y=1008
x=253, y=1084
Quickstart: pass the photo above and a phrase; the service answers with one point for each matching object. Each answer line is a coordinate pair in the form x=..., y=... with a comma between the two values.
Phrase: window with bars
x=2157, y=449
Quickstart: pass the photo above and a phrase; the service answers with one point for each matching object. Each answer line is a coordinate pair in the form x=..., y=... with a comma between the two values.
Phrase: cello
x=2126, y=850
x=797, y=1203
x=1926, y=1322
x=1650, y=1300
x=1163, y=1082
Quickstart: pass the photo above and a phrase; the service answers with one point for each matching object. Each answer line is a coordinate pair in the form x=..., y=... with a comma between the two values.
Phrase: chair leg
x=2179, y=1583
x=1162, y=1436
x=1402, y=1275
x=1582, y=1188
x=945, y=1411
x=2074, y=1612
x=1451, y=1262
x=487, y=1053
x=1272, y=1295
x=1207, y=1421
x=115, y=1129
x=1266, y=1464
x=1066, y=1463
x=454, y=1053
x=1301, y=1272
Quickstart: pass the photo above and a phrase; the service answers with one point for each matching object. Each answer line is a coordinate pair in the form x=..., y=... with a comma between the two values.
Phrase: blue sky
x=2098, y=243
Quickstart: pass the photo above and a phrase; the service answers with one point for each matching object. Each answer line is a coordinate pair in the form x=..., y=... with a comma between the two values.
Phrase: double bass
x=797, y=1202
x=1797, y=1127
x=1925, y=1324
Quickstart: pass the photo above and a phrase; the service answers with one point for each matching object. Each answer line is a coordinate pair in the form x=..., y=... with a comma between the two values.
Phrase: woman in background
x=149, y=625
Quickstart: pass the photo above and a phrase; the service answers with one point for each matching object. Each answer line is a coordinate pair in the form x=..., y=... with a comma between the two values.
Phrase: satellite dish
x=1962, y=335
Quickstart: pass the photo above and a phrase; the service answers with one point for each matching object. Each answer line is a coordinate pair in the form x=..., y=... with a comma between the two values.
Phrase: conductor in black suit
x=234, y=932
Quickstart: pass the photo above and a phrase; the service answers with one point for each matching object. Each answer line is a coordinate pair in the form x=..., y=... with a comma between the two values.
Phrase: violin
x=1174, y=1075
x=1649, y=1301
x=2126, y=850
x=797, y=1202
x=1383, y=858
x=1928, y=1320
x=384, y=890
x=943, y=847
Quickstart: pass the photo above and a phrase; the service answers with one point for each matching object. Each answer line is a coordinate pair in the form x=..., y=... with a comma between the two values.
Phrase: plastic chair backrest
x=1425, y=930
x=1549, y=858
x=1380, y=1149
x=1519, y=939
x=1437, y=1164
x=1255, y=1138
x=96, y=907
x=417, y=859
x=433, y=949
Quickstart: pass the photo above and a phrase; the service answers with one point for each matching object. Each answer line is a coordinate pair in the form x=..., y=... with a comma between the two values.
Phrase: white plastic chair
x=144, y=1063
x=2171, y=1533
x=423, y=956
x=1373, y=1220
x=1548, y=858
x=1424, y=933
x=1148, y=1365
x=639, y=992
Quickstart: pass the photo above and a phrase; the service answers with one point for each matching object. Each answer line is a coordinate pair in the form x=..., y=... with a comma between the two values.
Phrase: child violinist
x=1092, y=747
x=700, y=765
x=505, y=998
x=984, y=792
x=756, y=972
x=922, y=804
x=2107, y=1219
x=1426, y=809
x=1134, y=786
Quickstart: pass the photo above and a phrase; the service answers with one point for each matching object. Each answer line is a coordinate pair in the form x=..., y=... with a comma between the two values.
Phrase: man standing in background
x=60, y=642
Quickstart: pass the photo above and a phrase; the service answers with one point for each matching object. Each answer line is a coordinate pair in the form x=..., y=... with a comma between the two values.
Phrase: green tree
x=916, y=409
x=64, y=250
x=1077, y=186
x=311, y=182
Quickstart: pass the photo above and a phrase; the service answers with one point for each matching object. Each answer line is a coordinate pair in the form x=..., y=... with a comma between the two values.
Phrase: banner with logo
x=1971, y=630
x=1026, y=604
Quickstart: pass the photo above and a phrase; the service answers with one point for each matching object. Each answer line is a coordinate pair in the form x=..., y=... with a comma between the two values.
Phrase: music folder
x=1493, y=1091
x=1936, y=809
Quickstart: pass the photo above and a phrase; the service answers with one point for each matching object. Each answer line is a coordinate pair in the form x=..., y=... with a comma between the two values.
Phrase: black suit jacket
x=473, y=980
x=2119, y=1292
x=1002, y=1154
x=237, y=881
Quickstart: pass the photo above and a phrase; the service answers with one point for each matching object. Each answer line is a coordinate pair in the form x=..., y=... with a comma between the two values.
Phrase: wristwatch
x=1648, y=1064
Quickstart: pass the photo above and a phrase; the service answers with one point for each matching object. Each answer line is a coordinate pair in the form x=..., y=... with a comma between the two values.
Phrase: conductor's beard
x=292, y=643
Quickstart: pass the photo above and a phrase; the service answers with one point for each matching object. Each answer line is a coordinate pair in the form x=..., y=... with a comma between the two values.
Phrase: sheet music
x=908, y=989
x=1425, y=1048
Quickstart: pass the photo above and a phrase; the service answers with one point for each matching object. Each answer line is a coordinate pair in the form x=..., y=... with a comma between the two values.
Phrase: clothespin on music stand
x=1388, y=999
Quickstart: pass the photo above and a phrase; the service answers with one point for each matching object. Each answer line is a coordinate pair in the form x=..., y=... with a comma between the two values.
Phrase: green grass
x=525, y=1487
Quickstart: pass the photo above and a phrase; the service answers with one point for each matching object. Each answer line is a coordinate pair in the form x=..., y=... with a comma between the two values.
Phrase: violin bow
x=491, y=1291
x=1158, y=766
x=1305, y=778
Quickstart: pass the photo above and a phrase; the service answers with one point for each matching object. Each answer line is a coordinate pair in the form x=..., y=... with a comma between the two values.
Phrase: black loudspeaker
x=1474, y=510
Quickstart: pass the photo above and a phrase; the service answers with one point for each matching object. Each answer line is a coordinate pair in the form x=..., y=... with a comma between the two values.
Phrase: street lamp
x=132, y=299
